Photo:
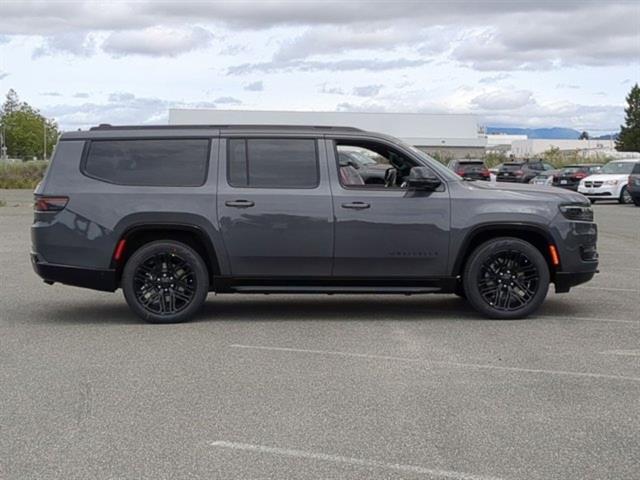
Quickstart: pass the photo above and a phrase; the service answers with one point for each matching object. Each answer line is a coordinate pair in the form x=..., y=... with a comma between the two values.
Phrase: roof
x=106, y=126
x=152, y=131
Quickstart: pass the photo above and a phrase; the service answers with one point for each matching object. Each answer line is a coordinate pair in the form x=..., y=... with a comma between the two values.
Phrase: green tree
x=25, y=130
x=584, y=136
x=629, y=137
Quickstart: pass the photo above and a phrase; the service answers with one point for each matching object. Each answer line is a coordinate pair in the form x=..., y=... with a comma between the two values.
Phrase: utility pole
x=44, y=139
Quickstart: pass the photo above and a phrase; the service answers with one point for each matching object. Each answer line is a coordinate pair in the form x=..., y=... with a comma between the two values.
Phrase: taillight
x=43, y=203
x=518, y=173
x=460, y=172
x=579, y=175
x=485, y=172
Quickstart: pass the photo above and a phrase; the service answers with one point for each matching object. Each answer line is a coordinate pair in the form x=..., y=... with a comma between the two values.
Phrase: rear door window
x=149, y=162
x=273, y=163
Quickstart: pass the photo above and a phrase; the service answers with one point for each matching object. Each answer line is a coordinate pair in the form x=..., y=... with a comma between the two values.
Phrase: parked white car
x=610, y=183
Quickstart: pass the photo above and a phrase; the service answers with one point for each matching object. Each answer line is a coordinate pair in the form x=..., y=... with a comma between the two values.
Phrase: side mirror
x=421, y=178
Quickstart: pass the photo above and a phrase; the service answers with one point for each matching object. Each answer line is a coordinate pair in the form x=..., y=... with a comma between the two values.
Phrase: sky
x=511, y=62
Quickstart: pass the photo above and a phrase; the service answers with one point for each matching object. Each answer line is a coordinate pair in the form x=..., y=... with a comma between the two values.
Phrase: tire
x=519, y=265
x=625, y=196
x=170, y=266
x=592, y=200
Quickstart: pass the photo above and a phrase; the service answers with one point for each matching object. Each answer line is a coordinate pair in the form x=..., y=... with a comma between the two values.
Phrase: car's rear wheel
x=506, y=278
x=592, y=200
x=165, y=282
x=625, y=196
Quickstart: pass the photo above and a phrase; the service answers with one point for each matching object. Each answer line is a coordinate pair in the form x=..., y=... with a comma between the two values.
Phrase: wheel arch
x=139, y=234
x=536, y=235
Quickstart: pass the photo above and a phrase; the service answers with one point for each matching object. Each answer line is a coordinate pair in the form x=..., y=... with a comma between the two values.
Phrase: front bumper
x=565, y=280
x=604, y=191
x=95, y=279
x=577, y=247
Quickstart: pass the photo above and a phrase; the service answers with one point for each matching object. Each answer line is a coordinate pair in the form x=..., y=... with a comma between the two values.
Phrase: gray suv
x=171, y=213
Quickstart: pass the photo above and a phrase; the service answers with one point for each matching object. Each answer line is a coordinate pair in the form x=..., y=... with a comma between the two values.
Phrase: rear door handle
x=239, y=203
x=356, y=205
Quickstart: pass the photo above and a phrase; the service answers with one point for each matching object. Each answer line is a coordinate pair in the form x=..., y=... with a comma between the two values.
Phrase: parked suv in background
x=171, y=213
x=470, y=169
x=570, y=176
x=633, y=184
x=521, y=172
x=611, y=183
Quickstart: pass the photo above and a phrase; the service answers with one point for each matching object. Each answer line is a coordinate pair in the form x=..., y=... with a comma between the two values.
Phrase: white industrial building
x=446, y=135
x=586, y=148
x=502, y=142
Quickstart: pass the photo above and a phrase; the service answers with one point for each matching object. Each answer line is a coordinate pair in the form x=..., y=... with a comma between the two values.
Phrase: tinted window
x=636, y=168
x=273, y=163
x=161, y=162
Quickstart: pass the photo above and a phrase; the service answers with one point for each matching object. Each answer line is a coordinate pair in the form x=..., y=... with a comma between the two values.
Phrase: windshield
x=619, y=168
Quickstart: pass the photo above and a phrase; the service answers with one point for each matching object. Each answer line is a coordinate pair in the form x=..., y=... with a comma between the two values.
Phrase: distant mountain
x=554, y=133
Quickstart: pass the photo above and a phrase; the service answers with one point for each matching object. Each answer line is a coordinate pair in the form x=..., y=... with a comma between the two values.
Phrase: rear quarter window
x=176, y=162
x=273, y=163
x=636, y=168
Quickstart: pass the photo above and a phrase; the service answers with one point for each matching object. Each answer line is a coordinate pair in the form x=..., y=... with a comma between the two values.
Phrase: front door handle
x=239, y=203
x=356, y=205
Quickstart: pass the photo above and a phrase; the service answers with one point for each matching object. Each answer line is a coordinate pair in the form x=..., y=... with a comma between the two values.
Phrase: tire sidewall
x=194, y=261
x=622, y=196
x=484, y=251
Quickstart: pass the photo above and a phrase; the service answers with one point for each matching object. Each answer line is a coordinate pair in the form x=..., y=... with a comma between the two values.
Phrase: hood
x=603, y=177
x=526, y=191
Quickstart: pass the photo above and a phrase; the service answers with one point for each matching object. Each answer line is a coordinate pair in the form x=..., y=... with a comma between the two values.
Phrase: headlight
x=611, y=182
x=583, y=213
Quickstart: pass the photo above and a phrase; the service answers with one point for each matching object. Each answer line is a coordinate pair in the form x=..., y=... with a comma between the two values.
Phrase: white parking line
x=633, y=290
x=589, y=319
x=630, y=353
x=360, y=462
x=480, y=366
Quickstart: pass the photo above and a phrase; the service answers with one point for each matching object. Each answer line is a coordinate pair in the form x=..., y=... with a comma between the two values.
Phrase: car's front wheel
x=625, y=196
x=165, y=282
x=506, y=278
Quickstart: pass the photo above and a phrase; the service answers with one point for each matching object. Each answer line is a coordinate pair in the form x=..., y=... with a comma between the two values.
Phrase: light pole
x=44, y=139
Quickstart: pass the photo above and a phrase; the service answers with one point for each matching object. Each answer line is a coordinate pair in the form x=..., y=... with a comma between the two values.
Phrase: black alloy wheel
x=506, y=278
x=165, y=282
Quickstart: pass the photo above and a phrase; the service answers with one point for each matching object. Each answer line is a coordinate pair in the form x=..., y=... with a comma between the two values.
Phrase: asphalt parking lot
x=358, y=387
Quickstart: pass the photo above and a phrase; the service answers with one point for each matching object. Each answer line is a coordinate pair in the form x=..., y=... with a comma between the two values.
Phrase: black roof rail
x=107, y=126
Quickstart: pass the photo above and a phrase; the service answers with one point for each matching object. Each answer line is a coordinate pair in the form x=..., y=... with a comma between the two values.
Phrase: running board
x=332, y=289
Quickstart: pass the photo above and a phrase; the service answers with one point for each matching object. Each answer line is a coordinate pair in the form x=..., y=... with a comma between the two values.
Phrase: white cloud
x=324, y=88
x=367, y=90
x=494, y=78
x=157, y=41
x=80, y=44
x=256, y=86
x=333, y=40
x=330, y=65
x=503, y=99
x=121, y=108
x=228, y=100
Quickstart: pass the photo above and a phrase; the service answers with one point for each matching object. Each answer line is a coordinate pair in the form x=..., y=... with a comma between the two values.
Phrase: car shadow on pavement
x=339, y=307
x=278, y=308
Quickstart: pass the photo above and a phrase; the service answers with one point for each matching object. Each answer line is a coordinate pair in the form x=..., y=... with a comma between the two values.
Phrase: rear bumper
x=95, y=279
